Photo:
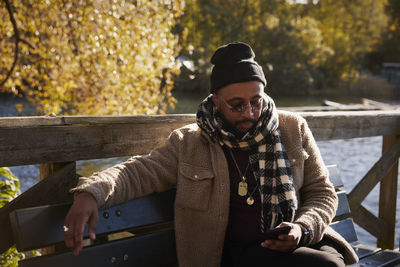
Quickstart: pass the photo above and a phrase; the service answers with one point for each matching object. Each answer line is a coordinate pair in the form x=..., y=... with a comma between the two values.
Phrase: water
x=9, y=106
x=354, y=158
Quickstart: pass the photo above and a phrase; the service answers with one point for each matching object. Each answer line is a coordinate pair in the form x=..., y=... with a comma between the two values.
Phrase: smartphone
x=274, y=233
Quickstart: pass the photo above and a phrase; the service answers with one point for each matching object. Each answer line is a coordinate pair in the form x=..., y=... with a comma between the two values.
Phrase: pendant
x=250, y=201
x=242, y=189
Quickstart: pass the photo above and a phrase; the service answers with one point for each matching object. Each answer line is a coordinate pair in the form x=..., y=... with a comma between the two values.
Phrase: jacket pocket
x=297, y=156
x=194, y=187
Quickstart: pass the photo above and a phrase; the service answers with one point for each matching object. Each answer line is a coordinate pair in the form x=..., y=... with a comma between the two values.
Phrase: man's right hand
x=83, y=210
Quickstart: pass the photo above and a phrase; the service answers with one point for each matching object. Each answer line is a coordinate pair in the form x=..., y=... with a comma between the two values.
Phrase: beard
x=232, y=127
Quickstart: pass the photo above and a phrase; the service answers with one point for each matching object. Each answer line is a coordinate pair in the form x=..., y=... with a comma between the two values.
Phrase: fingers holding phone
x=284, y=237
x=276, y=232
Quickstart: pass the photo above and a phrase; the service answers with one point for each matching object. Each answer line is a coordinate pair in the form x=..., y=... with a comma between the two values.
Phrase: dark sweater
x=244, y=226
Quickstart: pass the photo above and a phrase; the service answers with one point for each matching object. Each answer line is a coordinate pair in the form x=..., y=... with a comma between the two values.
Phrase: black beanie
x=234, y=63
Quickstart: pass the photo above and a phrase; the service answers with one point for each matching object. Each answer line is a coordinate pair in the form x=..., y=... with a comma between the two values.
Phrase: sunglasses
x=239, y=108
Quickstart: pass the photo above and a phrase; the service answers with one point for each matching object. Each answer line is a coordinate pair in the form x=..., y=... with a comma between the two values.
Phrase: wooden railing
x=58, y=142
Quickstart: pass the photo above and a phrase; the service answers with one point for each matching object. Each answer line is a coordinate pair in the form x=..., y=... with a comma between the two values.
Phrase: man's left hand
x=285, y=243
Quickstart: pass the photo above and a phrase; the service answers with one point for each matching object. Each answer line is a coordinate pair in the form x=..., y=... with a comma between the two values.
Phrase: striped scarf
x=267, y=155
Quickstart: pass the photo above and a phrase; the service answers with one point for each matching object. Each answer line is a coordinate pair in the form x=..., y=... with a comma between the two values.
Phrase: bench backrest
x=146, y=225
x=342, y=223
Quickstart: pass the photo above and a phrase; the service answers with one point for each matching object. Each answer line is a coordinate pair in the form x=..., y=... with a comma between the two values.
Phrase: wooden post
x=388, y=196
x=48, y=169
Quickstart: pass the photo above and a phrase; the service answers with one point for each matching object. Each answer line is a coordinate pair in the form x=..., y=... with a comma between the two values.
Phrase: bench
x=140, y=233
x=145, y=225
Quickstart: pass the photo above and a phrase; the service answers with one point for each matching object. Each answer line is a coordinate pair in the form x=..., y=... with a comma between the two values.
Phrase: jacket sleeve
x=318, y=196
x=138, y=176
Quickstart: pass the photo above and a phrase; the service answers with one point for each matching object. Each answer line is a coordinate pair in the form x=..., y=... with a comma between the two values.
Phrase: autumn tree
x=388, y=50
x=300, y=47
x=292, y=50
x=352, y=29
x=392, y=36
x=288, y=46
x=92, y=57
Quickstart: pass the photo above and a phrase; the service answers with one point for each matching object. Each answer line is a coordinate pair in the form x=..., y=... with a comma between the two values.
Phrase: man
x=242, y=169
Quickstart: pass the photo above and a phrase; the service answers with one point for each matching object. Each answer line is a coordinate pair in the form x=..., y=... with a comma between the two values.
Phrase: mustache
x=246, y=120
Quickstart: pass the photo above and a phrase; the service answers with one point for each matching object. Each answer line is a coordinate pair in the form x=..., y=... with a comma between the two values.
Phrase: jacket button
x=195, y=177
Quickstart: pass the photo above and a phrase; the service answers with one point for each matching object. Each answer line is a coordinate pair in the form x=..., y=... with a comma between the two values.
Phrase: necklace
x=242, y=186
x=250, y=199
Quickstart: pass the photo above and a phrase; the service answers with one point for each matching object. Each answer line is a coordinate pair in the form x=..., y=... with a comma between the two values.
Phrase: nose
x=248, y=113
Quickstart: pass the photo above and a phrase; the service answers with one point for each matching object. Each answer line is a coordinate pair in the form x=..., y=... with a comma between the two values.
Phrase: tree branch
x=27, y=43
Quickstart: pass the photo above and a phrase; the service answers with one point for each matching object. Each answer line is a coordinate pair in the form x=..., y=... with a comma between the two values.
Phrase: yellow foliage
x=93, y=57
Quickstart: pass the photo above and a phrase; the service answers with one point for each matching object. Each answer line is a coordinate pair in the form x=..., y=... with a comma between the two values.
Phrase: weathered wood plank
x=35, y=121
x=77, y=142
x=52, y=190
x=375, y=174
x=369, y=222
x=364, y=119
x=388, y=196
x=352, y=124
x=32, y=140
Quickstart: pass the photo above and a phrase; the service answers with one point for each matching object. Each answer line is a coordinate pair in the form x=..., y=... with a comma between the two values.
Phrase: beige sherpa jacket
x=198, y=168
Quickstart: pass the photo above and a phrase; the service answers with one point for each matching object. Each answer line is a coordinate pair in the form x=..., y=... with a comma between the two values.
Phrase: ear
x=215, y=100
